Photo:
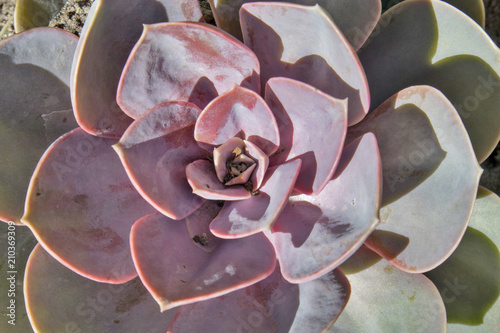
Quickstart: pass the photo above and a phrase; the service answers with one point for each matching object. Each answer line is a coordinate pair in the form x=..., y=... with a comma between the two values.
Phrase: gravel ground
x=74, y=12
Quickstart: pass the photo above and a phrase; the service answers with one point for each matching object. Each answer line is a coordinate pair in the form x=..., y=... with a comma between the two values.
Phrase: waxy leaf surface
x=355, y=18
x=177, y=272
x=469, y=280
x=275, y=32
x=197, y=225
x=403, y=302
x=271, y=305
x=267, y=306
x=315, y=234
x=322, y=300
x=60, y=300
x=239, y=112
x=155, y=151
x=430, y=42
x=426, y=155
x=302, y=112
x=18, y=242
x=81, y=206
x=204, y=182
x=35, y=107
x=188, y=62
x=259, y=212
x=473, y=8
x=109, y=34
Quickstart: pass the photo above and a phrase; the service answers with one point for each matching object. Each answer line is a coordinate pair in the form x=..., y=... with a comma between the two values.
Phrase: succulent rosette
x=295, y=169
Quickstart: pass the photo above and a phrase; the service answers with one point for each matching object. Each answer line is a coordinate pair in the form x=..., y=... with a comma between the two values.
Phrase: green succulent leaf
x=430, y=178
x=35, y=13
x=385, y=299
x=431, y=42
x=469, y=280
x=473, y=8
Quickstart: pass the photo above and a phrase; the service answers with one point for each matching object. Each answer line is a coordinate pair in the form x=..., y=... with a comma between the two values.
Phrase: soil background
x=73, y=15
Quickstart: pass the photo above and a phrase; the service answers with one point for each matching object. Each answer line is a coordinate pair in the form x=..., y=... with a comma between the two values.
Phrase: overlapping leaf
x=426, y=155
x=387, y=299
x=177, y=272
x=239, y=112
x=323, y=58
x=469, y=280
x=81, y=206
x=259, y=212
x=155, y=151
x=271, y=305
x=431, y=42
x=355, y=18
x=35, y=107
x=108, y=36
x=315, y=234
x=301, y=113
x=184, y=62
x=17, y=242
x=59, y=300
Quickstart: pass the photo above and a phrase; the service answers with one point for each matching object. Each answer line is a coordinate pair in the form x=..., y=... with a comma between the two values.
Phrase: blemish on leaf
x=201, y=239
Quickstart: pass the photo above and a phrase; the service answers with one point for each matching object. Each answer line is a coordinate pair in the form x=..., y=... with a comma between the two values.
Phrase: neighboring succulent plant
x=234, y=179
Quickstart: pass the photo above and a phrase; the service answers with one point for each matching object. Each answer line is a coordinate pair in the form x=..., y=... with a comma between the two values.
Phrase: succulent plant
x=301, y=167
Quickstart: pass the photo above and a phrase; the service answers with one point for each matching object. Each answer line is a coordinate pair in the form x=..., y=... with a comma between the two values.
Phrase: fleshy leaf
x=426, y=155
x=271, y=305
x=239, y=112
x=469, y=280
x=275, y=32
x=59, y=300
x=473, y=8
x=109, y=33
x=17, y=242
x=262, y=161
x=466, y=70
x=177, y=272
x=35, y=13
x=267, y=306
x=322, y=299
x=223, y=153
x=403, y=302
x=81, y=206
x=155, y=151
x=203, y=180
x=315, y=234
x=191, y=62
x=35, y=107
x=258, y=213
x=197, y=225
x=302, y=112
x=355, y=18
